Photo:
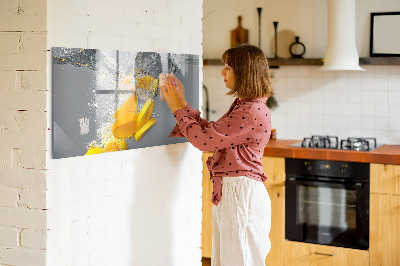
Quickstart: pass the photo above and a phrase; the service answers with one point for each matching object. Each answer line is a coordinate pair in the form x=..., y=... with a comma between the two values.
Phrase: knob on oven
x=308, y=166
x=343, y=168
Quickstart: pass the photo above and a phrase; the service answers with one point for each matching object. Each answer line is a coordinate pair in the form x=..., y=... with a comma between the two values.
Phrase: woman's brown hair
x=250, y=66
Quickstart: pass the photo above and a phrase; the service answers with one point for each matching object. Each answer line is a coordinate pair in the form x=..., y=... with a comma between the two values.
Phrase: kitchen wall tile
x=342, y=80
x=355, y=132
x=304, y=82
x=367, y=96
x=355, y=109
x=329, y=109
x=342, y=96
x=365, y=99
x=329, y=122
x=381, y=136
x=394, y=123
x=367, y=82
x=291, y=71
x=317, y=121
x=381, y=123
x=342, y=133
x=368, y=123
x=394, y=97
x=354, y=80
x=381, y=84
x=328, y=74
x=394, y=82
x=367, y=133
x=342, y=122
x=380, y=71
x=292, y=83
x=355, y=122
x=394, y=110
x=355, y=96
x=367, y=110
x=381, y=97
x=315, y=72
x=316, y=82
x=394, y=137
x=342, y=109
x=317, y=107
x=304, y=72
x=393, y=71
x=329, y=93
x=381, y=110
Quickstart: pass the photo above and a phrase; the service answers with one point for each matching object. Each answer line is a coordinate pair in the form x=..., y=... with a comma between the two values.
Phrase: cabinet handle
x=324, y=254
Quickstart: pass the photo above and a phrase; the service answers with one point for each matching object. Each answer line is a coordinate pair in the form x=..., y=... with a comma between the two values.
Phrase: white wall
x=311, y=102
x=135, y=207
x=304, y=18
x=23, y=133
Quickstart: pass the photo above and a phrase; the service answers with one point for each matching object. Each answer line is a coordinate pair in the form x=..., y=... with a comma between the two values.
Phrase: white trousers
x=241, y=223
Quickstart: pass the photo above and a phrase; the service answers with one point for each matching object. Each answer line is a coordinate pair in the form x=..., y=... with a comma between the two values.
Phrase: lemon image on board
x=123, y=145
x=125, y=126
x=92, y=151
x=129, y=106
x=111, y=147
x=143, y=130
x=145, y=113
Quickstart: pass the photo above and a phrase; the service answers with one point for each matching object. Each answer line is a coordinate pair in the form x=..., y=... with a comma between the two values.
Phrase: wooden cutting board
x=239, y=35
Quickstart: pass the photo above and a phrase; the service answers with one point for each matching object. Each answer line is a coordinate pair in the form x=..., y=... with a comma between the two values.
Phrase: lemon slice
x=125, y=126
x=142, y=131
x=111, y=147
x=94, y=151
x=145, y=113
x=129, y=106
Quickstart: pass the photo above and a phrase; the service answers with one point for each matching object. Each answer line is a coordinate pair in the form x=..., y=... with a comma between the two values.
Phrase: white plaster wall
x=135, y=207
x=305, y=18
x=311, y=102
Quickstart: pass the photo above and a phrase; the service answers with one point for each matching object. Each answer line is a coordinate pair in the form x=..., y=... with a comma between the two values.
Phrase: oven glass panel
x=326, y=207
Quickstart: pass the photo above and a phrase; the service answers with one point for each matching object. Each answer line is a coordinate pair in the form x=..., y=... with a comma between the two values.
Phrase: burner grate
x=358, y=144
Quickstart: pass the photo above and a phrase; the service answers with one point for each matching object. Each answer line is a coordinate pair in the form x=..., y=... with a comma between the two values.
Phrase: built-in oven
x=327, y=202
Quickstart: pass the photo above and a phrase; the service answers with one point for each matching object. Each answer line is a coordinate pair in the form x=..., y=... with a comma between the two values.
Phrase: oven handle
x=357, y=185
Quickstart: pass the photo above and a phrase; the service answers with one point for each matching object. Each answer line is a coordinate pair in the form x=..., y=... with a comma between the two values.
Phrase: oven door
x=327, y=213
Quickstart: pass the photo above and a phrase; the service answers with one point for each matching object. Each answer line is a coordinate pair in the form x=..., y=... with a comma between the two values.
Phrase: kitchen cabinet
x=385, y=214
x=305, y=254
x=206, y=225
x=274, y=168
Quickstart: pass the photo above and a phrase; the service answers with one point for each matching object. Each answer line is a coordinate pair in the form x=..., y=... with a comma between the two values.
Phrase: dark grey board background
x=86, y=83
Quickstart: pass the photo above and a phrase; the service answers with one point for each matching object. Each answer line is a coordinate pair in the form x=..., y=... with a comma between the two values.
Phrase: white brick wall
x=23, y=132
x=135, y=207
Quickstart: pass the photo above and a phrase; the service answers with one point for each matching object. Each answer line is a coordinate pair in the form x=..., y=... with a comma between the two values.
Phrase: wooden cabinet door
x=304, y=254
x=384, y=236
x=206, y=226
x=385, y=178
x=277, y=233
x=274, y=168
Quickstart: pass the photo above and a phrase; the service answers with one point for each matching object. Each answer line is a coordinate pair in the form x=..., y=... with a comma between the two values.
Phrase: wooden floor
x=206, y=261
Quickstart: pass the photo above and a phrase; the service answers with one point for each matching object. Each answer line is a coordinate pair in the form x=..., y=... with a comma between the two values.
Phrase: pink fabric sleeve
x=193, y=113
x=229, y=131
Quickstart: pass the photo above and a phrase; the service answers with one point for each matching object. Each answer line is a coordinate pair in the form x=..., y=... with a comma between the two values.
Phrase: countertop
x=389, y=154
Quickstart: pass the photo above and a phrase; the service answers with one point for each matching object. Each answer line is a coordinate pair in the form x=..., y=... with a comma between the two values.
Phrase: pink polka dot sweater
x=238, y=139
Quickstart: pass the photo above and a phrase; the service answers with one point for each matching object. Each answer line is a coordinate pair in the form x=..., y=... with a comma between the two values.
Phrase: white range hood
x=341, y=51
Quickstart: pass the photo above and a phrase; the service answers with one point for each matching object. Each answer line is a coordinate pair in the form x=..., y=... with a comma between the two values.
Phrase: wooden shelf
x=380, y=61
x=274, y=63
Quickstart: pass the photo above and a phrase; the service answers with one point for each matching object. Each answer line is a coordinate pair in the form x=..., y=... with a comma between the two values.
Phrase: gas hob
x=332, y=142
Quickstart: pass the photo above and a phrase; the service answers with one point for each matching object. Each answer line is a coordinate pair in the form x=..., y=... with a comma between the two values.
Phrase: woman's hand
x=174, y=94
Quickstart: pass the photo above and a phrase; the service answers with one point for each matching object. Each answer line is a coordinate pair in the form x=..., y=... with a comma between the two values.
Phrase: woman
x=242, y=208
